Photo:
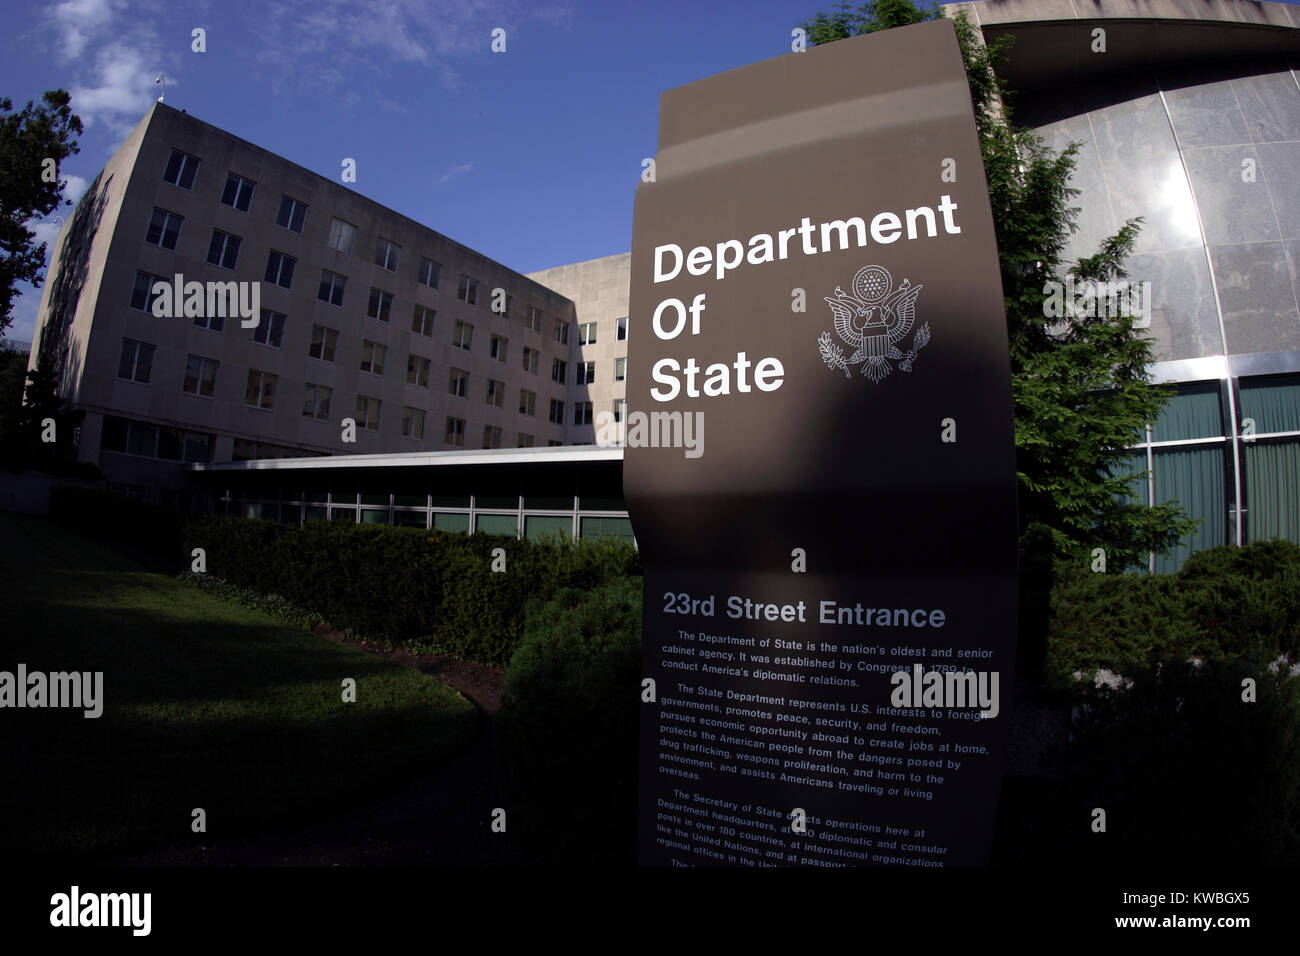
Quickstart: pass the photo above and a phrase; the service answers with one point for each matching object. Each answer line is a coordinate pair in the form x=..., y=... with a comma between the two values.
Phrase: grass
x=206, y=704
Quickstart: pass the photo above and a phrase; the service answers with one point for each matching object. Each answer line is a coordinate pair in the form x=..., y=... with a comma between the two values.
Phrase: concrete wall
x=599, y=289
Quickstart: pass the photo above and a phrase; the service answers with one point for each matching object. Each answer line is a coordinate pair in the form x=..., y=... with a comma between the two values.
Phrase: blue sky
x=530, y=156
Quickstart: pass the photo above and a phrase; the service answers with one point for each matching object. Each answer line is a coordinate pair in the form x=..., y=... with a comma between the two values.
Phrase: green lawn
x=206, y=704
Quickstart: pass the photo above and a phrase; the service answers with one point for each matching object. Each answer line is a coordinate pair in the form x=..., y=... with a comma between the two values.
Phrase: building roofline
x=1053, y=37
x=420, y=459
x=583, y=262
x=357, y=192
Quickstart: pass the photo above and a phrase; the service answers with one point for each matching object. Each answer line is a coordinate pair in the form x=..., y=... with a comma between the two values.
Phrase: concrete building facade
x=599, y=290
x=363, y=314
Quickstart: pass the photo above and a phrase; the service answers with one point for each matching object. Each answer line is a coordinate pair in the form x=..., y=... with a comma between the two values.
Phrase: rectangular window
x=462, y=334
x=587, y=333
x=270, y=329
x=171, y=441
x=534, y=318
x=223, y=250
x=525, y=441
x=422, y=321
x=164, y=229
x=213, y=323
x=412, y=422
x=429, y=271
x=496, y=392
x=505, y=308
x=331, y=287
x=323, y=341
x=530, y=359
x=317, y=402
x=180, y=169
x=142, y=439
x=135, y=362
x=620, y=329
x=380, y=304
x=468, y=291
x=491, y=436
x=372, y=357
x=620, y=410
x=586, y=373
x=582, y=413
x=562, y=332
x=458, y=382
x=279, y=269
x=455, y=433
x=368, y=412
x=417, y=371
x=527, y=402
x=238, y=192
x=200, y=375
x=553, y=443
x=557, y=411
x=142, y=294
x=620, y=369
x=292, y=214
x=558, y=369
x=343, y=236
x=497, y=348
x=260, y=392
x=387, y=254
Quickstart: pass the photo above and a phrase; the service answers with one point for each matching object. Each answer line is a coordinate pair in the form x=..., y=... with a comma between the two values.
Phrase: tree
x=33, y=144
x=1080, y=386
x=13, y=375
x=41, y=403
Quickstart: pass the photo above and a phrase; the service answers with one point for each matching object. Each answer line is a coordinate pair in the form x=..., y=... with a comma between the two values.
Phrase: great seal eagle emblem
x=873, y=321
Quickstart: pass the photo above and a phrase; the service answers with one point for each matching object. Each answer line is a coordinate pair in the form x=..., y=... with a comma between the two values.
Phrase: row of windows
x=294, y=510
x=223, y=251
x=324, y=340
x=165, y=226
x=182, y=169
x=135, y=364
x=536, y=526
x=154, y=441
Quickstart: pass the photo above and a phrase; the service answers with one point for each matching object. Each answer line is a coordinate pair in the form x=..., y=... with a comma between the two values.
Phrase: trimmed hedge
x=567, y=730
x=1242, y=603
x=434, y=590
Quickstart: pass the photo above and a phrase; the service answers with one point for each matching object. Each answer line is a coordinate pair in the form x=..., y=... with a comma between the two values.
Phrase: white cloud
x=76, y=186
x=78, y=21
x=46, y=231
x=455, y=171
x=336, y=41
x=121, y=92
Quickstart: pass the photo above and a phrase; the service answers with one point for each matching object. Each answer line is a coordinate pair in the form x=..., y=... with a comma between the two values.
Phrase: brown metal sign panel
x=820, y=465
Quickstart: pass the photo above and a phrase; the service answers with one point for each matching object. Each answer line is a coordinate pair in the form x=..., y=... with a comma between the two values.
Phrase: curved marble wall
x=1209, y=157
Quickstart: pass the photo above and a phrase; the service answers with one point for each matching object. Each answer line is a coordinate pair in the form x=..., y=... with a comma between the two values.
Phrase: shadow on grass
x=205, y=705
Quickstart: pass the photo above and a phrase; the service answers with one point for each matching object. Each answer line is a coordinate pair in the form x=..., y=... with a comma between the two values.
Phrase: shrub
x=434, y=590
x=1242, y=603
x=567, y=731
